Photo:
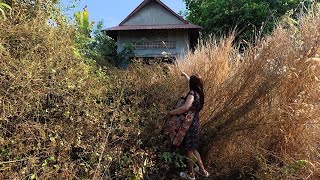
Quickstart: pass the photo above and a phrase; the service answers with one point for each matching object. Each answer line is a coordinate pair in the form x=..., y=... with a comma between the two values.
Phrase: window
x=155, y=45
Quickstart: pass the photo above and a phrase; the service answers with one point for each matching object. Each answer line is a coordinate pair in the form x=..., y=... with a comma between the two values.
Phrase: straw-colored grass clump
x=262, y=107
x=63, y=118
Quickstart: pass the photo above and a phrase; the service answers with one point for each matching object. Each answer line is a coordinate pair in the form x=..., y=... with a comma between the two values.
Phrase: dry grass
x=64, y=119
x=60, y=117
x=262, y=108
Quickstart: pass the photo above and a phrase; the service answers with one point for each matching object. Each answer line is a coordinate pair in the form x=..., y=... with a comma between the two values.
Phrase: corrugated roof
x=147, y=27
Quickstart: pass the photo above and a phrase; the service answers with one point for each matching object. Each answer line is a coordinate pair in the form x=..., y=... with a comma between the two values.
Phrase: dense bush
x=250, y=17
x=63, y=118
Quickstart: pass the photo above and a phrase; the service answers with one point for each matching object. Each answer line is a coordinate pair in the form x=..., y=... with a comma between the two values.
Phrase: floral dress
x=191, y=140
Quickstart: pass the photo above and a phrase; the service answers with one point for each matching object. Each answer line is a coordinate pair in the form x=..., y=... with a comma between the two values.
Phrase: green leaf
x=2, y=13
x=2, y=7
x=45, y=163
x=33, y=176
x=5, y=5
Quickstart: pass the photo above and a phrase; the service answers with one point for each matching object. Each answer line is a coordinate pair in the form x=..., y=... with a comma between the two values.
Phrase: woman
x=195, y=98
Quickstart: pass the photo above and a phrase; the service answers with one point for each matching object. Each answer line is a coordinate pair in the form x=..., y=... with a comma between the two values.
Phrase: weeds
x=264, y=102
x=66, y=119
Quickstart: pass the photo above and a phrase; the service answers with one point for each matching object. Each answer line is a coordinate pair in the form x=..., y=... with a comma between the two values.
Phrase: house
x=154, y=30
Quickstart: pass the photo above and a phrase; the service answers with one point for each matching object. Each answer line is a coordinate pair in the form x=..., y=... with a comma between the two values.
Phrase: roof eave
x=135, y=29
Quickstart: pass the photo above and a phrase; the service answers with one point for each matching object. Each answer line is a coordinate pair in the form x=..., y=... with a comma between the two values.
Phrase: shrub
x=63, y=118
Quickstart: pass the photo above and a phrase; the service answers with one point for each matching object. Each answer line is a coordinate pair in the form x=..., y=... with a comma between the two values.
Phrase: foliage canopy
x=219, y=17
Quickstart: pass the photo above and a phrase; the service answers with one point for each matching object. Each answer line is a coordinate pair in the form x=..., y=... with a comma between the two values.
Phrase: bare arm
x=184, y=108
x=185, y=75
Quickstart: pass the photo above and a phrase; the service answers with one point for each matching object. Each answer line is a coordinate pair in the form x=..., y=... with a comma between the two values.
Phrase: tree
x=83, y=24
x=31, y=8
x=219, y=17
x=104, y=46
x=95, y=46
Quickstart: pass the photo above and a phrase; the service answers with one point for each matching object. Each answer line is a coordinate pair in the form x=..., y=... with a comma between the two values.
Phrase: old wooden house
x=154, y=30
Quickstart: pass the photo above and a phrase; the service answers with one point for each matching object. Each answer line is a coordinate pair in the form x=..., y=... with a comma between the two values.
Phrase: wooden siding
x=153, y=14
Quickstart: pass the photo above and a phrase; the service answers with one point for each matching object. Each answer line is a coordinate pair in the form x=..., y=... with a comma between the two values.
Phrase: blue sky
x=112, y=12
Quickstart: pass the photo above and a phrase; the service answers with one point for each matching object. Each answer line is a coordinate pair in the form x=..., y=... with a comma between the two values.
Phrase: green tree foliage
x=219, y=17
x=82, y=37
x=99, y=47
x=104, y=46
x=83, y=24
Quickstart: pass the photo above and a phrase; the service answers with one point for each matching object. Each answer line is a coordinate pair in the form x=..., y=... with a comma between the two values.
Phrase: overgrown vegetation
x=250, y=17
x=262, y=109
x=95, y=46
x=63, y=118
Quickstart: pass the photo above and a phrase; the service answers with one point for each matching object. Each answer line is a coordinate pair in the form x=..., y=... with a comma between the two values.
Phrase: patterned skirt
x=191, y=140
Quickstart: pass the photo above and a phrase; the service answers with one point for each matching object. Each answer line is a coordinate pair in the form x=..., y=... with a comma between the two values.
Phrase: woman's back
x=196, y=101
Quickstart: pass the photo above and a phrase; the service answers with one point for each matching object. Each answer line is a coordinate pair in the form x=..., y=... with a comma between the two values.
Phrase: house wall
x=153, y=14
x=180, y=37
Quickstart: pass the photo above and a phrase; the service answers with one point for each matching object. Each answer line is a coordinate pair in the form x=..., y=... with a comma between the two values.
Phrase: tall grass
x=63, y=118
x=262, y=107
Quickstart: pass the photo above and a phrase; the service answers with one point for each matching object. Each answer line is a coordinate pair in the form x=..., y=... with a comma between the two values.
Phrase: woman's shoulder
x=194, y=94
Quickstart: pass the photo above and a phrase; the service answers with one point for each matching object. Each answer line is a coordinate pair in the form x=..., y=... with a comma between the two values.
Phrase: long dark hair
x=196, y=84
